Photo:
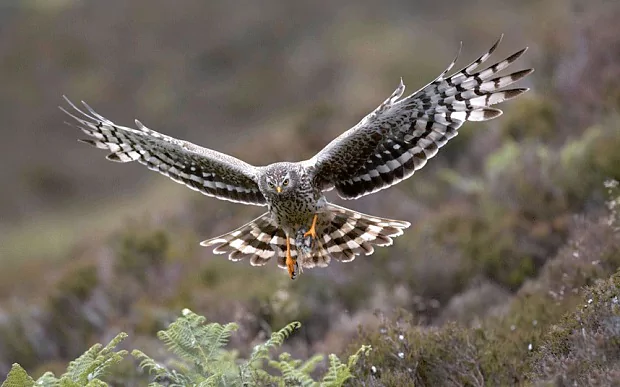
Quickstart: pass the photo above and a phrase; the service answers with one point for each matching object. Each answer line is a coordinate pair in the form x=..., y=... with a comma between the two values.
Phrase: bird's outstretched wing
x=396, y=139
x=205, y=170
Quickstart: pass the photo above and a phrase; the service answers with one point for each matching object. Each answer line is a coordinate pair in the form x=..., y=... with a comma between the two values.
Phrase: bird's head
x=278, y=179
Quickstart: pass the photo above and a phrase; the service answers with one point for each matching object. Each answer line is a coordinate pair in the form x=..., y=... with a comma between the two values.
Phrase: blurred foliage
x=141, y=250
x=561, y=327
x=584, y=348
x=531, y=117
x=511, y=223
x=204, y=361
x=85, y=371
x=590, y=159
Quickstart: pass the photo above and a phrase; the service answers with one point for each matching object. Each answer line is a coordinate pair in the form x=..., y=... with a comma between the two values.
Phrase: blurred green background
x=89, y=248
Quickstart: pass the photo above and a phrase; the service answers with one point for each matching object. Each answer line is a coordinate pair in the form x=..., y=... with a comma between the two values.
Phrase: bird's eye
x=270, y=184
x=285, y=182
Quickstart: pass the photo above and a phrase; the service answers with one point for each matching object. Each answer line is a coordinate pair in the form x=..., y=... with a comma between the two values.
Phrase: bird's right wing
x=401, y=135
x=201, y=169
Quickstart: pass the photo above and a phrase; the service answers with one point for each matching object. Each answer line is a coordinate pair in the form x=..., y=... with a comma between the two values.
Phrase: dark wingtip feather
x=496, y=44
x=490, y=113
x=516, y=55
x=521, y=74
x=114, y=157
x=87, y=141
x=512, y=93
x=456, y=58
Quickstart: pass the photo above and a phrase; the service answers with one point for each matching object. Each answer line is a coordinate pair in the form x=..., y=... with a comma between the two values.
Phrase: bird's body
x=298, y=202
x=301, y=227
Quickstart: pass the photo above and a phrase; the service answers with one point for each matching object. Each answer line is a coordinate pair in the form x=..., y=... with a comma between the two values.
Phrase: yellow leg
x=312, y=231
x=291, y=264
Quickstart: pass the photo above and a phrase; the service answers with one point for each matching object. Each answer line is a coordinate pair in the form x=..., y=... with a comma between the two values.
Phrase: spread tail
x=253, y=240
x=342, y=234
x=348, y=233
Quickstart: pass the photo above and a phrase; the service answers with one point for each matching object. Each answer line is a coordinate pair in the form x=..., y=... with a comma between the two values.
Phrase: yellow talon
x=291, y=264
x=312, y=231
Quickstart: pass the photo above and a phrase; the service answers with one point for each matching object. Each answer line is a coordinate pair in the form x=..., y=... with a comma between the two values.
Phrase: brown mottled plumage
x=301, y=228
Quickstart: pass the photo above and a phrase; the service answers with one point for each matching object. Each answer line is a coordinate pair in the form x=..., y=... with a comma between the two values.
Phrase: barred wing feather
x=207, y=171
x=401, y=135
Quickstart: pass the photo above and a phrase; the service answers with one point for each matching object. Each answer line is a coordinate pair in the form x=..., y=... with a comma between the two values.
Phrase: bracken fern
x=203, y=361
x=200, y=360
x=85, y=371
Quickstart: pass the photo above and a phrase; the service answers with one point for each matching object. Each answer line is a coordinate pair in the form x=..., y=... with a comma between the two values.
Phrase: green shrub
x=85, y=371
x=587, y=161
x=532, y=116
x=584, y=348
x=562, y=327
x=200, y=360
x=490, y=242
x=405, y=354
x=140, y=250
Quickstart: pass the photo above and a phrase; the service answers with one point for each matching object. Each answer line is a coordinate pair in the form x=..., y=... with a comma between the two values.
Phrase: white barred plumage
x=344, y=234
x=301, y=228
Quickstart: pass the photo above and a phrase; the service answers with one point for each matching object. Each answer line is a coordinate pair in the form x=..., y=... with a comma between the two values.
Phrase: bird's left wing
x=205, y=170
x=396, y=139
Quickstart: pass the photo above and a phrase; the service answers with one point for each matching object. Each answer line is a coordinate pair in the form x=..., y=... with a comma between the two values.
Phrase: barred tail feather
x=251, y=241
x=343, y=235
x=351, y=233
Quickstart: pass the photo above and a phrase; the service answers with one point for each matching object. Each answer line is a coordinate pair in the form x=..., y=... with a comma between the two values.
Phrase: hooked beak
x=279, y=189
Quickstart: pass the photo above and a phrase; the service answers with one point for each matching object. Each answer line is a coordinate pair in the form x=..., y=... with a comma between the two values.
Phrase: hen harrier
x=300, y=226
